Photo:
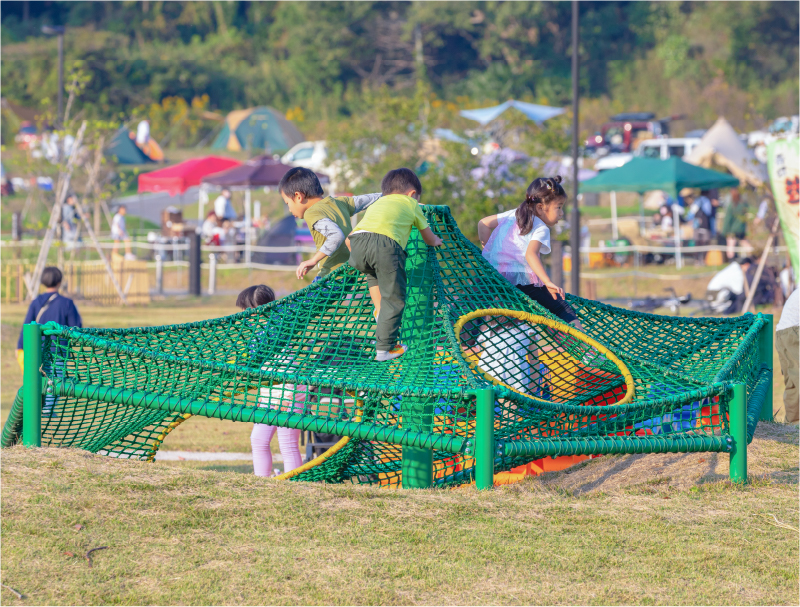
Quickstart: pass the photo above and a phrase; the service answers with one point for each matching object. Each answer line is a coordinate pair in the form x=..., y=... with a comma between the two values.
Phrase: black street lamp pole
x=575, y=219
x=58, y=30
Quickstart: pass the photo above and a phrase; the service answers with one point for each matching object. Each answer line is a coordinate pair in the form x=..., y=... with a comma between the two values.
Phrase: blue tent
x=537, y=113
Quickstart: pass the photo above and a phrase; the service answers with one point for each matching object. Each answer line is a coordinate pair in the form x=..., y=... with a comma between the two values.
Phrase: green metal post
x=417, y=463
x=765, y=352
x=484, y=438
x=417, y=468
x=737, y=414
x=32, y=385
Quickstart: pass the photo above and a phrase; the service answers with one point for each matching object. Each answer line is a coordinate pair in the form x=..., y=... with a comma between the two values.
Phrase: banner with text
x=783, y=161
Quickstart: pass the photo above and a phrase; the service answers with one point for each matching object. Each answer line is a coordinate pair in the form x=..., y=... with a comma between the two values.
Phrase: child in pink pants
x=284, y=397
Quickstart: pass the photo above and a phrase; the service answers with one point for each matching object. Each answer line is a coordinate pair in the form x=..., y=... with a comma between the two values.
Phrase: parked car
x=309, y=154
x=667, y=147
x=28, y=136
x=619, y=134
x=785, y=126
x=314, y=155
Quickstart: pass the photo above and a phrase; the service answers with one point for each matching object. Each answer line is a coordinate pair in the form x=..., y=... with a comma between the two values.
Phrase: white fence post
x=159, y=275
x=676, y=225
x=212, y=273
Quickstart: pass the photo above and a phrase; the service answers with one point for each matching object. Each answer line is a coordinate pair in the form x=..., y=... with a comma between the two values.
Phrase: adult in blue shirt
x=50, y=305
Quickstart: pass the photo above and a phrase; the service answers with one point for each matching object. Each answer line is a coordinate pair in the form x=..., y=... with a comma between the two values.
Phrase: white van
x=667, y=147
x=309, y=154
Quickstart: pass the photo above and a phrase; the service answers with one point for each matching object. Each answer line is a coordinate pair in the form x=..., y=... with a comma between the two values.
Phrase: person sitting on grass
x=377, y=249
x=50, y=305
x=327, y=217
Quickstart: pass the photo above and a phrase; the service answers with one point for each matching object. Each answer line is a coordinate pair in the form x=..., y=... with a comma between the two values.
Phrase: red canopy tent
x=182, y=176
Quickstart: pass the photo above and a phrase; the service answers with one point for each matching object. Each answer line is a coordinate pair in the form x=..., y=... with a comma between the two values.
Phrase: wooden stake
x=762, y=262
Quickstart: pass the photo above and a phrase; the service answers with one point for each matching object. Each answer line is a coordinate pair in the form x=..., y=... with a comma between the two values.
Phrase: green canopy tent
x=258, y=130
x=125, y=150
x=646, y=174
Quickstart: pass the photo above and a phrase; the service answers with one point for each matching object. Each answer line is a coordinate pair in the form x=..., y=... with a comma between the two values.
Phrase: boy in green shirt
x=377, y=248
x=328, y=217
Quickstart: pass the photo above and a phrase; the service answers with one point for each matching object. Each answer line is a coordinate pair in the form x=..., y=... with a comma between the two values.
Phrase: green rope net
x=306, y=361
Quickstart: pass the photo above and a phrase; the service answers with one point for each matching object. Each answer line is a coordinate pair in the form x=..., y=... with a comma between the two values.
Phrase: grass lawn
x=625, y=529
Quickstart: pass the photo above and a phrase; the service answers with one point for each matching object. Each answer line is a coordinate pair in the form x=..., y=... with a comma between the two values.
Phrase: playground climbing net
x=634, y=383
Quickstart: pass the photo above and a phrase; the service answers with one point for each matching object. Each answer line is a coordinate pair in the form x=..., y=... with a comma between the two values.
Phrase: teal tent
x=258, y=130
x=125, y=150
x=646, y=174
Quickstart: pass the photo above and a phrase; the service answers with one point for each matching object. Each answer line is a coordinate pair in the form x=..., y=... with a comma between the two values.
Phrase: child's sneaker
x=395, y=352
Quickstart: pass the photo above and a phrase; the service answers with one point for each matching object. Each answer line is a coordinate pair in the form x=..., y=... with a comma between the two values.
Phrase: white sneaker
x=396, y=352
x=130, y=257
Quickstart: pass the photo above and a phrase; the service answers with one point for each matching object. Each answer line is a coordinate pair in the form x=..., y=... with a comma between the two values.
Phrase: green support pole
x=765, y=352
x=737, y=414
x=32, y=385
x=417, y=468
x=484, y=439
x=417, y=463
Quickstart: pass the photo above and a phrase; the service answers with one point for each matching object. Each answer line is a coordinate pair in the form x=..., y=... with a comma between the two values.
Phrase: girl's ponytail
x=541, y=190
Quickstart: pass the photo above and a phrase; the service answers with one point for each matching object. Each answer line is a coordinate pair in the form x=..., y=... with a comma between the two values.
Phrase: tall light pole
x=58, y=30
x=575, y=218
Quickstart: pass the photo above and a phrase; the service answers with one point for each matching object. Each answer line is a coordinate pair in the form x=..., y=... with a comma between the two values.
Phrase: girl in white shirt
x=513, y=242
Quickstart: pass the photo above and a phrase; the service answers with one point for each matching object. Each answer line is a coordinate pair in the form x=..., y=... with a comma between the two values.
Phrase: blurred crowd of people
x=701, y=212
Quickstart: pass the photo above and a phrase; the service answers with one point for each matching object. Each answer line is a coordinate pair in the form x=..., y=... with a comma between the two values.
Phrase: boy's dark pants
x=383, y=260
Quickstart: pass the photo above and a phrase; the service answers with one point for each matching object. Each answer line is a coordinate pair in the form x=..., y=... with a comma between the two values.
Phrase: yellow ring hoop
x=524, y=316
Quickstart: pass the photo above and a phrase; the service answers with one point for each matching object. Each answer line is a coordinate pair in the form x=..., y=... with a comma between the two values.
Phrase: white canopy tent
x=721, y=146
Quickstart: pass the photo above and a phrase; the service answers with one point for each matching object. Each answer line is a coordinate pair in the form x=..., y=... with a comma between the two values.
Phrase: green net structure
x=641, y=384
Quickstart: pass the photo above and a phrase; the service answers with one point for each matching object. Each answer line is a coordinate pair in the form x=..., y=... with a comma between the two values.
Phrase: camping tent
x=261, y=171
x=721, y=146
x=537, y=113
x=123, y=147
x=258, y=129
x=180, y=177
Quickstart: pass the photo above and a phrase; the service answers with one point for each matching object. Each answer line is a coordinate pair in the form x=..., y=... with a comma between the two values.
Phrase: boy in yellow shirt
x=377, y=248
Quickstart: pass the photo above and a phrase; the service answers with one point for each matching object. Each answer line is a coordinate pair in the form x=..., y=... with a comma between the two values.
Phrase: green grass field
x=658, y=529
x=617, y=530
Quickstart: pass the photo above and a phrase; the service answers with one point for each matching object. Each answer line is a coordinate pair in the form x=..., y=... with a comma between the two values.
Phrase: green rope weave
x=306, y=361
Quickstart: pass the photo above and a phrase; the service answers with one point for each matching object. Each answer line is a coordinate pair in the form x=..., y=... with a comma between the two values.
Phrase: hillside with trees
x=316, y=61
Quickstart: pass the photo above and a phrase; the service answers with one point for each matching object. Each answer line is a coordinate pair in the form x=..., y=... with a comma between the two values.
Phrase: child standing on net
x=274, y=397
x=377, y=248
x=515, y=240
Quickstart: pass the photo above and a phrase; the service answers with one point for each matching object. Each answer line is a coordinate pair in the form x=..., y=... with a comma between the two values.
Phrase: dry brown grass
x=616, y=530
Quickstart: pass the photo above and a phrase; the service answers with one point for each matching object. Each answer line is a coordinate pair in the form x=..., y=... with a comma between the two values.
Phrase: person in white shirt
x=119, y=232
x=513, y=242
x=142, y=133
x=208, y=229
x=223, y=206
